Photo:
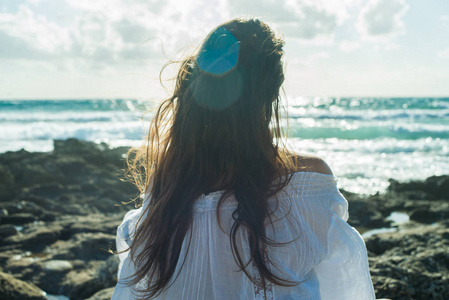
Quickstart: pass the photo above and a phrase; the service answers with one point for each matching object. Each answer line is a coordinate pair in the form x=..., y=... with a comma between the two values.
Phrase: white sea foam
x=365, y=166
x=365, y=140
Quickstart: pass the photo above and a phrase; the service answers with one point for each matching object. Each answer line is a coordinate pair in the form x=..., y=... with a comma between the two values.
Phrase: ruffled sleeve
x=126, y=267
x=344, y=273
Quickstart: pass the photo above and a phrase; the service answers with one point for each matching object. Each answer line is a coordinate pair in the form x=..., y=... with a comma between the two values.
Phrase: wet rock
x=46, y=190
x=107, y=272
x=425, y=216
x=435, y=187
x=23, y=267
x=93, y=223
x=15, y=289
x=18, y=219
x=75, y=189
x=7, y=230
x=412, y=263
x=23, y=207
x=37, y=239
x=378, y=244
x=84, y=246
x=57, y=266
x=365, y=213
x=51, y=274
x=49, y=216
x=72, y=167
x=383, y=286
x=39, y=201
x=6, y=178
x=32, y=174
x=80, y=284
x=6, y=255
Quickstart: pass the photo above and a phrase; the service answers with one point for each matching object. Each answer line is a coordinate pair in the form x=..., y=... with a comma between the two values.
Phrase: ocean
x=366, y=141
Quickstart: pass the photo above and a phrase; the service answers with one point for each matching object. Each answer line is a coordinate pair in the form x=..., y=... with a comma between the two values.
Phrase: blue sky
x=52, y=49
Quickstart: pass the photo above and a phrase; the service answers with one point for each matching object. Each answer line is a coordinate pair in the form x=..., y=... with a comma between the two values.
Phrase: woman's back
x=272, y=232
x=322, y=252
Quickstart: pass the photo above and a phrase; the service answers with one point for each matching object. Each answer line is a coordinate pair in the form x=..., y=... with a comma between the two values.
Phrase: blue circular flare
x=220, y=53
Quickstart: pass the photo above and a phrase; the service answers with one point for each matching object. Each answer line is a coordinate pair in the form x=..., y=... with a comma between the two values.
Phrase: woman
x=228, y=212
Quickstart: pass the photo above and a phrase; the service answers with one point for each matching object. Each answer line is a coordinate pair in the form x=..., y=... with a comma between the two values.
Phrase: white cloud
x=111, y=29
x=115, y=31
x=349, y=46
x=444, y=53
x=310, y=21
x=35, y=31
x=34, y=1
x=445, y=21
x=311, y=60
x=175, y=23
x=381, y=20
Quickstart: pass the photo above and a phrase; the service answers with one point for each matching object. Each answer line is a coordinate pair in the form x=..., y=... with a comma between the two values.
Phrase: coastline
x=59, y=212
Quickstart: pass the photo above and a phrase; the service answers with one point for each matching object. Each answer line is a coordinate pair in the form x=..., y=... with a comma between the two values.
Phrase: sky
x=83, y=49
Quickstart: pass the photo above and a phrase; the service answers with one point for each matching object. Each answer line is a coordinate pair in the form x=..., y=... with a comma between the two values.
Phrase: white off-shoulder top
x=324, y=254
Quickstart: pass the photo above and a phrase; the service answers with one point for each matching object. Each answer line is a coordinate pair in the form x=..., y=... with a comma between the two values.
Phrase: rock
x=365, y=213
x=24, y=267
x=18, y=219
x=15, y=289
x=6, y=255
x=37, y=239
x=6, y=183
x=7, y=230
x=75, y=189
x=49, y=216
x=412, y=263
x=46, y=190
x=23, y=207
x=105, y=294
x=385, y=285
x=80, y=284
x=92, y=153
x=6, y=178
x=436, y=187
x=107, y=272
x=378, y=244
x=51, y=275
x=72, y=167
x=84, y=246
x=93, y=223
x=33, y=174
x=57, y=266
x=425, y=216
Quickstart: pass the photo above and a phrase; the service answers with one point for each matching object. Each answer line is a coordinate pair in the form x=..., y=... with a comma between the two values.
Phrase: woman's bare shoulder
x=311, y=163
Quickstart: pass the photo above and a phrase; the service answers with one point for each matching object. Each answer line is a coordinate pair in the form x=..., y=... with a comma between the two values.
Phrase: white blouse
x=324, y=253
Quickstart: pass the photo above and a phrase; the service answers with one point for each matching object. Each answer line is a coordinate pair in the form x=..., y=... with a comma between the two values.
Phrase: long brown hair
x=220, y=130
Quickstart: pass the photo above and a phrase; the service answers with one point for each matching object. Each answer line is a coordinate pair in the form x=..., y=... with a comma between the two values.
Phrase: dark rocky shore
x=59, y=212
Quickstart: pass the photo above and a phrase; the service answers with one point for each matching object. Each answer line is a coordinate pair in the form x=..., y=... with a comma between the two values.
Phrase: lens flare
x=218, y=80
x=219, y=54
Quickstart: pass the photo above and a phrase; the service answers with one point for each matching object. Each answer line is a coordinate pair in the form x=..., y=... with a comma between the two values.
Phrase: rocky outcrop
x=58, y=217
x=412, y=263
x=15, y=289
x=424, y=201
x=59, y=212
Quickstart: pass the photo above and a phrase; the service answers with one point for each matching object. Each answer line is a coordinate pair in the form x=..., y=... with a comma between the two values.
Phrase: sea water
x=366, y=141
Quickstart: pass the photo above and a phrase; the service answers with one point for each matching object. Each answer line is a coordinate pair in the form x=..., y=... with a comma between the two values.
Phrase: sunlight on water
x=366, y=141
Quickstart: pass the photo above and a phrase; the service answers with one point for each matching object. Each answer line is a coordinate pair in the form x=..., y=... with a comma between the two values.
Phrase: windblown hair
x=218, y=131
